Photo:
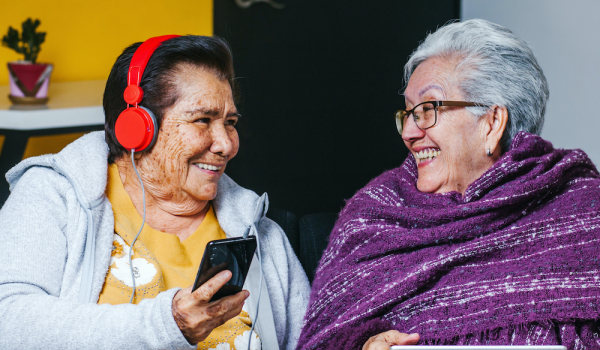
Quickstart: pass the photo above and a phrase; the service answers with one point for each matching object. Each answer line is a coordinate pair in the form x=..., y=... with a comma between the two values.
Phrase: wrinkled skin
x=462, y=138
x=196, y=317
x=199, y=127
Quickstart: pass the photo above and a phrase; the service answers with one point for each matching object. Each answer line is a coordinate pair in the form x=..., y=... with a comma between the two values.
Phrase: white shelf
x=71, y=104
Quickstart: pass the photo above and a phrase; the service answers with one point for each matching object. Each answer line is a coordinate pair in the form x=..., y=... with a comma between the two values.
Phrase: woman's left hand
x=196, y=316
x=383, y=341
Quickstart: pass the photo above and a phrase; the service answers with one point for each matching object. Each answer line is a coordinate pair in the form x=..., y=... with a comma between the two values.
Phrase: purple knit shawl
x=522, y=245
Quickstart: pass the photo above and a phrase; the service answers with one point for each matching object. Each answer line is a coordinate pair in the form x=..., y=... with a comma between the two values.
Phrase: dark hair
x=160, y=91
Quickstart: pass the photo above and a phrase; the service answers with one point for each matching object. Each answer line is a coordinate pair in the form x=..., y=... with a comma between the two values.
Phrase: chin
x=426, y=186
x=206, y=192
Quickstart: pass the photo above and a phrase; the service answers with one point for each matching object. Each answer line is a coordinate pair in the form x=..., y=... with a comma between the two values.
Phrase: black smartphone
x=233, y=254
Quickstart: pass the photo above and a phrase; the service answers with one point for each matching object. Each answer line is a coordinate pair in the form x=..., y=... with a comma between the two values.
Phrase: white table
x=72, y=107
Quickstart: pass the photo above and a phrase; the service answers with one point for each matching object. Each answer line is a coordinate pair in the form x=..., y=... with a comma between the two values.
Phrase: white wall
x=565, y=38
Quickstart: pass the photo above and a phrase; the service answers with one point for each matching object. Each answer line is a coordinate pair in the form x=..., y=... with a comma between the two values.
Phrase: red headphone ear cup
x=136, y=129
x=154, y=127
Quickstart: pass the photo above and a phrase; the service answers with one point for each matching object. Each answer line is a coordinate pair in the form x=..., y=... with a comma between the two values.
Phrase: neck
x=478, y=172
x=180, y=219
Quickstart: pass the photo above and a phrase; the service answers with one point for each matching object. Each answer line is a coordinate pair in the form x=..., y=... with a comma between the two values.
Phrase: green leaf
x=29, y=44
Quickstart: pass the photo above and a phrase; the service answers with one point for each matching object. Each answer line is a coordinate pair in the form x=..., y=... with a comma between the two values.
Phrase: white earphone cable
x=259, y=289
x=140, y=231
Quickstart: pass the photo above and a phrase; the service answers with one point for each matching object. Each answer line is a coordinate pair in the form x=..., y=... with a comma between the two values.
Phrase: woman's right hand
x=383, y=341
x=196, y=317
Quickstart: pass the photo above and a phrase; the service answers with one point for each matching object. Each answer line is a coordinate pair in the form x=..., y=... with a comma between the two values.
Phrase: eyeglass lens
x=423, y=114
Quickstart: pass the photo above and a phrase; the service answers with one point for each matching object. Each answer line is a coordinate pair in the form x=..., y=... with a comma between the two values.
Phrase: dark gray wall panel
x=319, y=85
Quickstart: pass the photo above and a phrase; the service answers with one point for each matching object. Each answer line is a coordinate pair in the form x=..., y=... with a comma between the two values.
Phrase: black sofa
x=308, y=236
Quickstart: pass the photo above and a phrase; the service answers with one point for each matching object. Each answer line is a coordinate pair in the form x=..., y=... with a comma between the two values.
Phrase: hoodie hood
x=83, y=162
x=236, y=207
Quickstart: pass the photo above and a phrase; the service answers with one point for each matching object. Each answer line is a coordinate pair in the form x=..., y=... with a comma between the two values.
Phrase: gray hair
x=495, y=68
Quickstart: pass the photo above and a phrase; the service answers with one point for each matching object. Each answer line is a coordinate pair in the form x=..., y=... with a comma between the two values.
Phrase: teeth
x=427, y=154
x=207, y=166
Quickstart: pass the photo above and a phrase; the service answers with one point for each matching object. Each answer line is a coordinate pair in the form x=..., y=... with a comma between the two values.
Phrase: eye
x=231, y=122
x=205, y=120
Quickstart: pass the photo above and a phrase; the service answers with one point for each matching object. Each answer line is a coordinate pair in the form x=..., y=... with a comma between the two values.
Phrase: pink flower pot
x=29, y=82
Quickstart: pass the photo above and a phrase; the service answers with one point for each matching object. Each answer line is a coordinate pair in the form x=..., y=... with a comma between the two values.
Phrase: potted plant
x=28, y=80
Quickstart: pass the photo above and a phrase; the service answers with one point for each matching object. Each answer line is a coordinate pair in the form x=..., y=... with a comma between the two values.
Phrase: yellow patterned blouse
x=160, y=262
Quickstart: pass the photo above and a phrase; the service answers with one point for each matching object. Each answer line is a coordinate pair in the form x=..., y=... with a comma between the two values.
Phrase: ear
x=494, y=124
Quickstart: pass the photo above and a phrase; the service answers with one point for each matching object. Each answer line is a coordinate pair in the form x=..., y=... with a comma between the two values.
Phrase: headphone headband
x=142, y=56
x=133, y=93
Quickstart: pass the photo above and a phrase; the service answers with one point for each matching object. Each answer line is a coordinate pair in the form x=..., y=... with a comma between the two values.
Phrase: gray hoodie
x=56, y=232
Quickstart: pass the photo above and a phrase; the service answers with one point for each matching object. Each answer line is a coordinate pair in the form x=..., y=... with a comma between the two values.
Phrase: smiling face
x=452, y=154
x=196, y=140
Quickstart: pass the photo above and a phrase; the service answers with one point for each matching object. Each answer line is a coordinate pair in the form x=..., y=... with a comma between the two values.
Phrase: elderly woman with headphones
x=100, y=241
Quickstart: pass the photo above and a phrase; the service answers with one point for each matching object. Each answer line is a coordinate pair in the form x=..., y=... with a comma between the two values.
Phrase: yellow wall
x=85, y=37
x=38, y=145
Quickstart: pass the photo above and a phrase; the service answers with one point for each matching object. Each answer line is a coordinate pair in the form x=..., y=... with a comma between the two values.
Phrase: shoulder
x=39, y=182
x=41, y=197
x=387, y=190
x=271, y=230
x=394, y=181
x=81, y=166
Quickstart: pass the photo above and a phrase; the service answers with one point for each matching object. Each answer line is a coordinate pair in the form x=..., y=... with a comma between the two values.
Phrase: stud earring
x=489, y=152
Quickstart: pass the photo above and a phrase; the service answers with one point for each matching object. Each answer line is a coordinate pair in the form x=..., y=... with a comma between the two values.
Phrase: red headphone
x=136, y=127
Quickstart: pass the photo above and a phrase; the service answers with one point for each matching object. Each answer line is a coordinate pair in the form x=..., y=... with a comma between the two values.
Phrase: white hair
x=495, y=68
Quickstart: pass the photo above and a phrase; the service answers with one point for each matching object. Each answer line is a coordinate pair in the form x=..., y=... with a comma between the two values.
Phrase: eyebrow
x=423, y=91
x=212, y=112
x=429, y=87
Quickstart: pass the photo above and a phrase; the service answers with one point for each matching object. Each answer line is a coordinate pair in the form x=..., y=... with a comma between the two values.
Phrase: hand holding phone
x=196, y=316
x=233, y=254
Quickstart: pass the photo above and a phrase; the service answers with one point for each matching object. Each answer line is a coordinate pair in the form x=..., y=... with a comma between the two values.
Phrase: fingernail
x=246, y=293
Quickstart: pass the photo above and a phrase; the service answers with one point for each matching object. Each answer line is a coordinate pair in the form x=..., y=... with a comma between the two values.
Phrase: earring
x=489, y=152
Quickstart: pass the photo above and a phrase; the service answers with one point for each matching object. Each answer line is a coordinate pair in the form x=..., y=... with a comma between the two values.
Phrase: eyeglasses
x=425, y=114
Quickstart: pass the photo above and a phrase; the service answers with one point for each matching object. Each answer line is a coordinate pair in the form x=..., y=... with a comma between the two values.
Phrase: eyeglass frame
x=436, y=104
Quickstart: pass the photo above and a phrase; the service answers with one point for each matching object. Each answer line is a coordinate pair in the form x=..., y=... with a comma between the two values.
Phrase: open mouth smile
x=208, y=167
x=427, y=154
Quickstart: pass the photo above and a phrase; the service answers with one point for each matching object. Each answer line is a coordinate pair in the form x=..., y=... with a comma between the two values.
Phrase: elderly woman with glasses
x=485, y=235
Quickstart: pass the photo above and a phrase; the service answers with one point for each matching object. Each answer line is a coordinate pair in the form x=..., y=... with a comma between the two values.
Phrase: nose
x=222, y=143
x=411, y=132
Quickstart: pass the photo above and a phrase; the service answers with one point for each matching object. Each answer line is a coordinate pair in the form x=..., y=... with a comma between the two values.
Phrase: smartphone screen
x=233, y=254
